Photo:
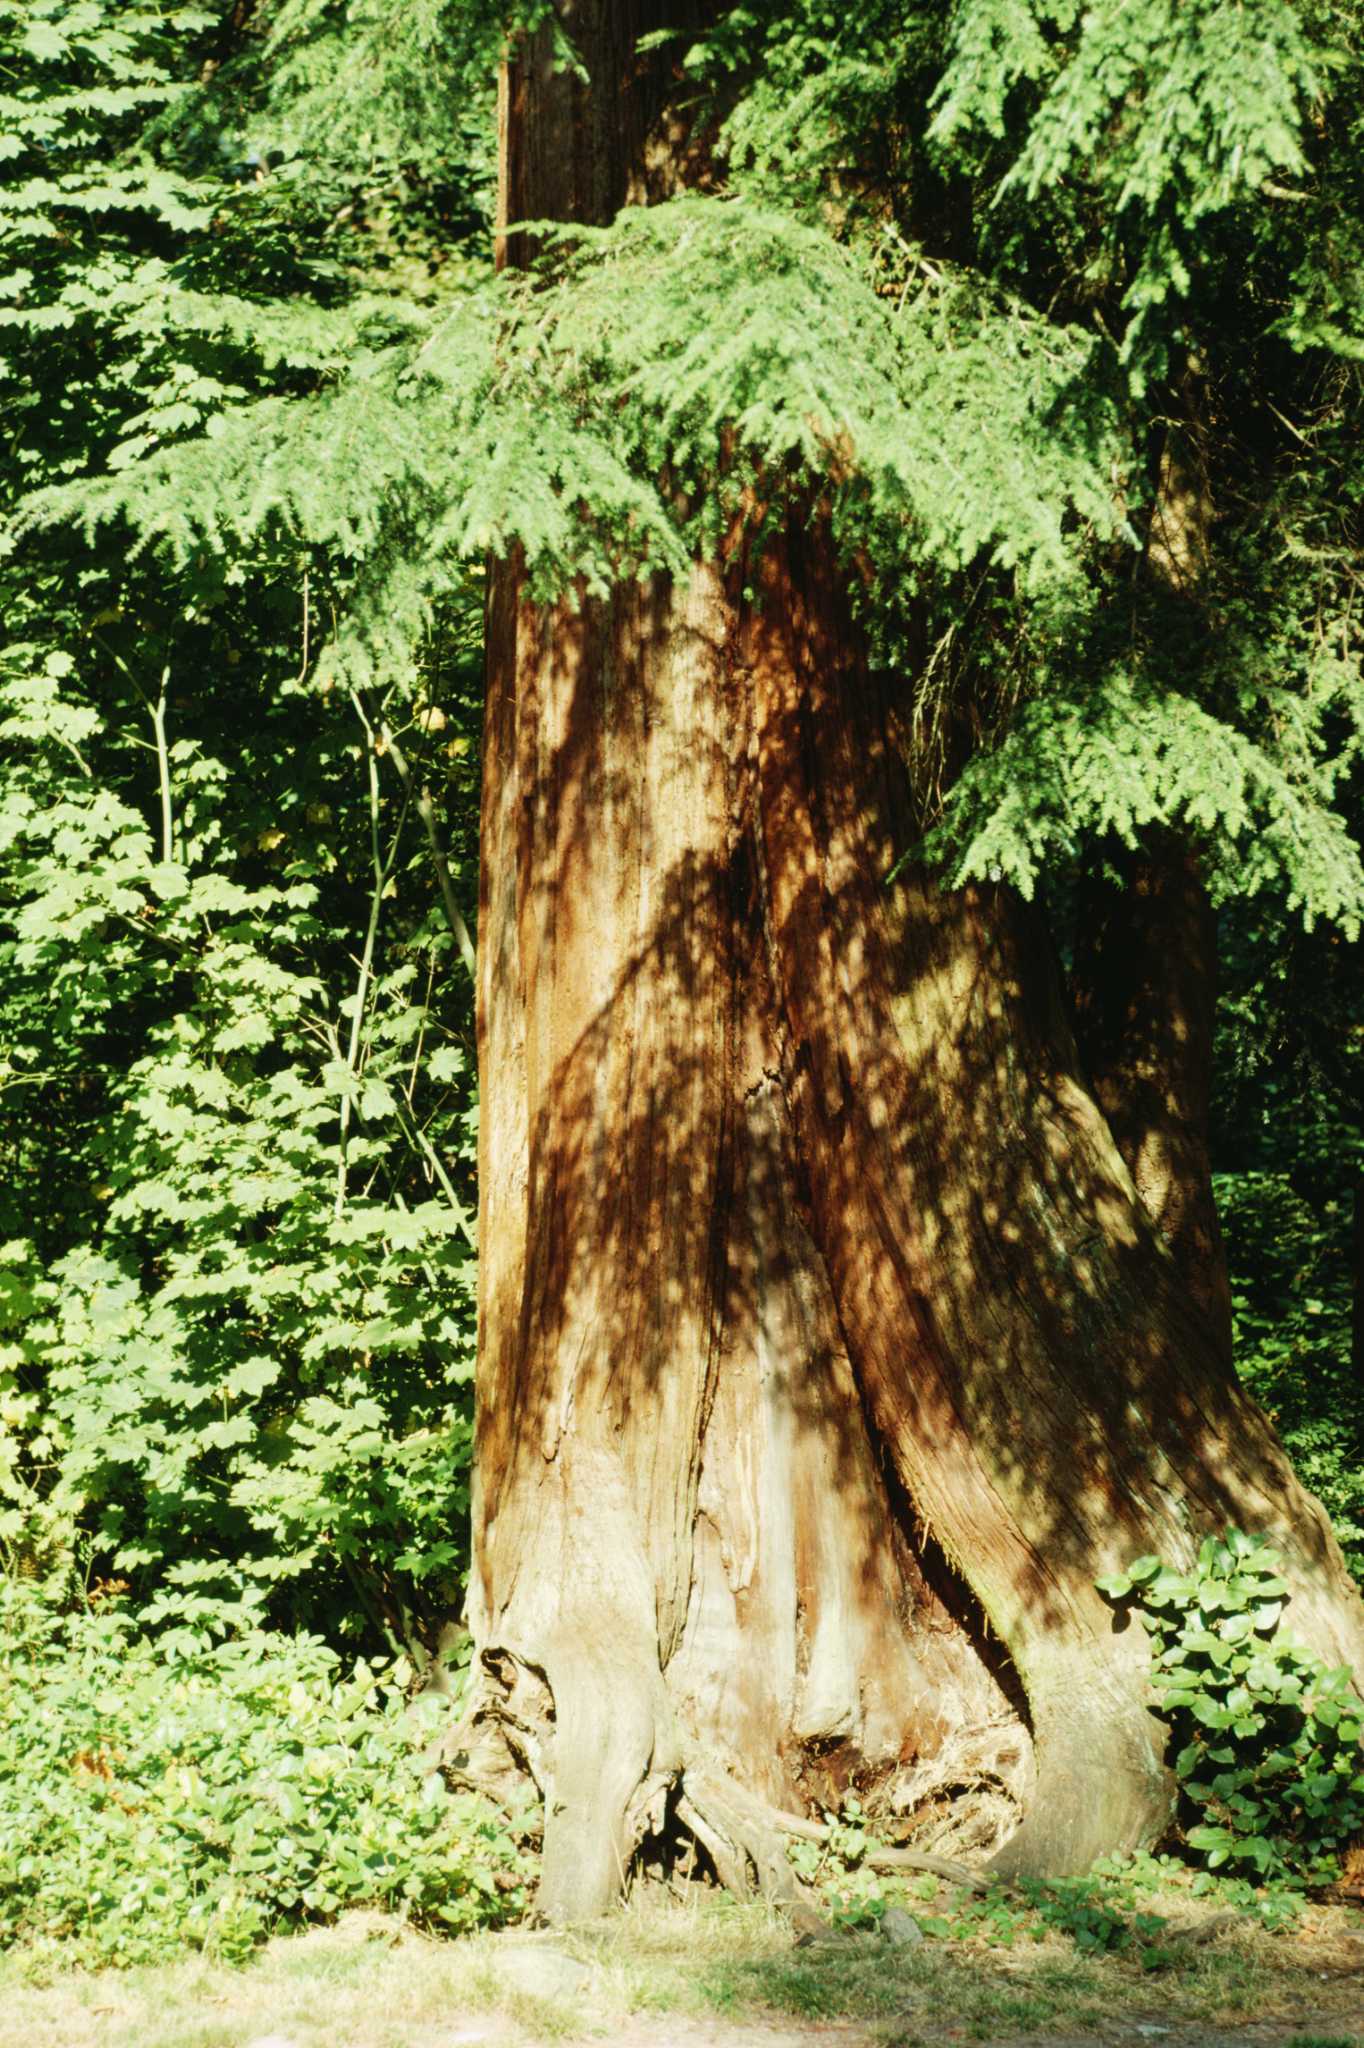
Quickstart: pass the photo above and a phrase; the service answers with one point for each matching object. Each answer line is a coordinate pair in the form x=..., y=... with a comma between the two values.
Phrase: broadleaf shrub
x=236, y=1021
x=152, y=1801
x=1266, y=1736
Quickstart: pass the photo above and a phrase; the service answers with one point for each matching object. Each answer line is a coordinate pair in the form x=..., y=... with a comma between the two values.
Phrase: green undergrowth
x=1129, y=1906
x=1289, y=1250
x=156, y=1799
x=1265, y=1737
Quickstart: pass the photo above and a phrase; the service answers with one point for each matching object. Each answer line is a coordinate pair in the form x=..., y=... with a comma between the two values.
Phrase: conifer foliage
x=1113, y=241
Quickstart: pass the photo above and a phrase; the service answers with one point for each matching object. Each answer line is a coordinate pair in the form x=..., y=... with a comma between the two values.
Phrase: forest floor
x=709, y=1976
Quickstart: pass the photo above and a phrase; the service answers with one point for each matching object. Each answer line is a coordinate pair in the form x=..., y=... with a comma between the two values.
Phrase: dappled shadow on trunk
x=675, y=1473
x=807, y=1258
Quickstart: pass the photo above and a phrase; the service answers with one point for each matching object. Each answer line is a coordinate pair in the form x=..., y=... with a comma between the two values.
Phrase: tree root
x=1206, y=1930
x=744, y=1839
x=881, y=1856
x=500, y=1740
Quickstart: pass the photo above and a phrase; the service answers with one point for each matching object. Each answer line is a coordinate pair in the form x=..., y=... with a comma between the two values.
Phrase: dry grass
x=705, y=1974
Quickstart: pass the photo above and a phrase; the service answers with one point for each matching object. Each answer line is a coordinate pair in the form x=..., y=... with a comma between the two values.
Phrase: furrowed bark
x=681, y=1529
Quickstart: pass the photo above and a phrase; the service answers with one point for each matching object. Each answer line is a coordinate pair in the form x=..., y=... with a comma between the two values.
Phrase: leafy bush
x=236, y=1168
x=1268, y=1737
x=852, y=1893
x=236, y=1323
x=150, y=1801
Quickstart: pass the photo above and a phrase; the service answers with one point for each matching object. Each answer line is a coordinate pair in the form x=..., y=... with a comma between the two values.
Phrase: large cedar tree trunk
x=827, y=1351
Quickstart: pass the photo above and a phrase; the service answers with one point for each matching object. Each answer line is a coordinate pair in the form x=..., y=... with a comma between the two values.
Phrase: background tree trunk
x=1145, y=991
x=1145, y=983
x=827, y=1353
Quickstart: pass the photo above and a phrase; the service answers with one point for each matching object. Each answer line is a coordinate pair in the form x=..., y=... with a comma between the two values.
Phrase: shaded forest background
x=256, y=444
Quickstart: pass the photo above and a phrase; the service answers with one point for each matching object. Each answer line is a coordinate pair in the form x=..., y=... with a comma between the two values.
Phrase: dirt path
x=674, y=2031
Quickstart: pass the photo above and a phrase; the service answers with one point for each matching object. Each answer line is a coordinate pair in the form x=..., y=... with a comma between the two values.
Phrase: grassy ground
x=707, y=1975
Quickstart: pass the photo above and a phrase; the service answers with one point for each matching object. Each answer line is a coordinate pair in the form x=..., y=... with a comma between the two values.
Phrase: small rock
x=538, y=1972
x=901, y=1929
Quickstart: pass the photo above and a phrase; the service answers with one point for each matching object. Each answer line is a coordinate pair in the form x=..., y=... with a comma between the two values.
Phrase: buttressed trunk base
x=828, y=1353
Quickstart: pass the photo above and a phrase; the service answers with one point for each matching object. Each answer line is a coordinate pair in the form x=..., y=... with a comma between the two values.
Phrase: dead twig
x=882, y=1857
